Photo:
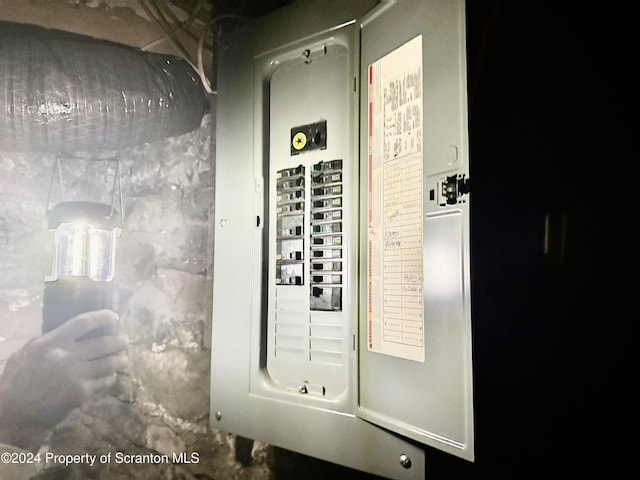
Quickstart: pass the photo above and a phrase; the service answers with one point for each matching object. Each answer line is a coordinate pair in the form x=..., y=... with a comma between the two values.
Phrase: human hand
x=57, y=372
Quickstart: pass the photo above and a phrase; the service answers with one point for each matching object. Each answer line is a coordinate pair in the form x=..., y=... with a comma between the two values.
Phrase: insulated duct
x=64, y=92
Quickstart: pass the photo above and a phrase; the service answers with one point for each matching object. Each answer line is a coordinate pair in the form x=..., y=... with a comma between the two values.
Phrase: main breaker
x=341, y=321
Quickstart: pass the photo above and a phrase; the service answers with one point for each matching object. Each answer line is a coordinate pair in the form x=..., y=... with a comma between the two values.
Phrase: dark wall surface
x=550, y=139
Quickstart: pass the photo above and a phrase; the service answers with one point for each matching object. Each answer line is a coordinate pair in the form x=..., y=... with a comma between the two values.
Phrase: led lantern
x=84, y=241
x=83, y=257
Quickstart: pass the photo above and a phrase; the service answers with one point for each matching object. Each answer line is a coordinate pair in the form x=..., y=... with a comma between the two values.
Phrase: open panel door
x=415, y=366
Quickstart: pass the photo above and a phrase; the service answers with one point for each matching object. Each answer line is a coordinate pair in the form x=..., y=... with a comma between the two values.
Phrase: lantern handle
x=56, y=169
x=116, y=189
x=117, y=183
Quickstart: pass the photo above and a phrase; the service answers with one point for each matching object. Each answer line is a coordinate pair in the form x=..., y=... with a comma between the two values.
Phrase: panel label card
x=395, y=323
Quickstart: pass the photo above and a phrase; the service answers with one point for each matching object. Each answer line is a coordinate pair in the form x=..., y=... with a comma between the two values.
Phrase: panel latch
x=309, y=54
x=453, y=189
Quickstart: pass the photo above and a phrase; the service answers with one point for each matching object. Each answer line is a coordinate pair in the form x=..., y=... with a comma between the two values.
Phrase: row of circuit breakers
x=325, y=224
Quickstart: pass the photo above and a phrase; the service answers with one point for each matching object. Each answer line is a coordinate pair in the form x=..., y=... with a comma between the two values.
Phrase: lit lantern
x=82, y=259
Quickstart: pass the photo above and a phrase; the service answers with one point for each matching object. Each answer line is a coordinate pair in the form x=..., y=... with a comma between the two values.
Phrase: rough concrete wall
x=161, y=404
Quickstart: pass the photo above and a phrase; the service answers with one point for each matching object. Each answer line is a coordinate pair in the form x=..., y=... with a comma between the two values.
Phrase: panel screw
x=223, y=222
x=218, y=416
x=405, y=461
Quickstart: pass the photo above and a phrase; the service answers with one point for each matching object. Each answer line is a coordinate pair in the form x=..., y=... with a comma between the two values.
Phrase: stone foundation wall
x=160, y=406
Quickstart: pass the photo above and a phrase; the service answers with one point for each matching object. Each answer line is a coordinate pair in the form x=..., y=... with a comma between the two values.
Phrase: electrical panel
x=341, y=325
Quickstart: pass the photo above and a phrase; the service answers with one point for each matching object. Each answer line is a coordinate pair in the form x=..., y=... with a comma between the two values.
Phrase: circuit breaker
x=341, y=323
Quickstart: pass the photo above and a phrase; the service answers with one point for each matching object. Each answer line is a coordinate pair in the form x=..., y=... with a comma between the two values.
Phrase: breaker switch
x=327, y=266
x=326, y=298
x=290, y=188
x=335, y=227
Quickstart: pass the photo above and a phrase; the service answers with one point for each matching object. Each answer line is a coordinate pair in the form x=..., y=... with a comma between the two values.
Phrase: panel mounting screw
x=405, y=461
x=223, y=222
x=218, y=416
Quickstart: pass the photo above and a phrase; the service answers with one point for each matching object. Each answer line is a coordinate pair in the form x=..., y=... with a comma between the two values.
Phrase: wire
x=200, y=69
x=194, y=12
x=166, y=29
x=169, y=33
x=210, y=23
x=183, y=26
